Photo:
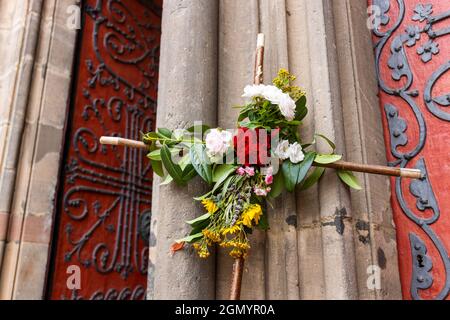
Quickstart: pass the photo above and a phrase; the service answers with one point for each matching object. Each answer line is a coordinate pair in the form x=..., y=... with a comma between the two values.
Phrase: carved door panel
x=103, y=211
x=412, y=47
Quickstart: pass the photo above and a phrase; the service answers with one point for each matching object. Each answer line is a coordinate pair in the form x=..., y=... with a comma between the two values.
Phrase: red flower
x=253, y=146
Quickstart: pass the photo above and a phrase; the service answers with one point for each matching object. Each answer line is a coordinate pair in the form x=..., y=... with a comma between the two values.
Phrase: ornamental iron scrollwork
x=421, y=277
x=423, y=29
x=107, y=196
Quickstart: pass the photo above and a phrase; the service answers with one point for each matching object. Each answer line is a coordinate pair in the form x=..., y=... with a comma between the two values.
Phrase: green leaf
x=331, y=143
x=189, y=173
x=199, y=219
x=149, y=137
x=301, y=102
x=327, y=158
x=224, y=172
x=277, y=186
x=225, y=185
x=249, y=125
x=191, y=238
x=295, y=173
x=301, y=111
x=301, y=114
x=174, y=170
x=243, y=115
x=157, y=167
x=155, y=155
x=200, y=128
x=199, y=160
x=167, y=180
x=312, y=178
x=349, y=179
x=199, y=227
x=184, y=162
x=165, y=132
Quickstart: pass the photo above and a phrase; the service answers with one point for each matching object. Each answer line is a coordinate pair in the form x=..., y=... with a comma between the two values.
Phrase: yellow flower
x=231, y=230
x=211, y=235
x=209, y=205
x=238, y=253
x=203, y=253
x=252, y=213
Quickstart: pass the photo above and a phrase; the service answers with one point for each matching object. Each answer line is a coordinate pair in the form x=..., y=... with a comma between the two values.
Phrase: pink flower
x=250, y=171
x=240, y=171
x=269, y=179
x=260, y=192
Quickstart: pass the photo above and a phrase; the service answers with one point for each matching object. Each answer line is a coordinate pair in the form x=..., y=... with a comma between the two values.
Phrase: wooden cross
x=238, y=266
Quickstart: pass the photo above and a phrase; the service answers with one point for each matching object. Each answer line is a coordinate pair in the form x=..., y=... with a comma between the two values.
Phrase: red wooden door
x=412, y=46
x=103, y=212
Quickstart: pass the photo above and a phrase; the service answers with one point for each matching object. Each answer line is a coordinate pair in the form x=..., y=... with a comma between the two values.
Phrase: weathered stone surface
x=281, y=242
x=31, y=271
x=365, y=143
x=332, y=57
x=238, y=29
x=20, y=28
x=187, y=93
x=37, y=116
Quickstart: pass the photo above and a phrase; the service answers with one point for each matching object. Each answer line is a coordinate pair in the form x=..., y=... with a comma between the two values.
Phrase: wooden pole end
x=260, y=40
x=109, y=140
x=411, y=173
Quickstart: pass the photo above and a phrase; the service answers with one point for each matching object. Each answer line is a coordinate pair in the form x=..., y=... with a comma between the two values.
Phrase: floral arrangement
x=246, y=167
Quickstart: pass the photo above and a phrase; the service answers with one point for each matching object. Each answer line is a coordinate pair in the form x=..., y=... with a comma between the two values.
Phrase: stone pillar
x=341, y=233
x=281, y=243
x=187, y=93
x=39, y=60
x=322, y=241
x=238, y=29
x=374, y=231
x=19, y=29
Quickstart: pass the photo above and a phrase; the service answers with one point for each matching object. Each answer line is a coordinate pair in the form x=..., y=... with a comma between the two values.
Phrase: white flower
x=273, y=94
x=287, y=107
x=218, y=142
x=282, y=150
x=254, y=91
x=295, y=153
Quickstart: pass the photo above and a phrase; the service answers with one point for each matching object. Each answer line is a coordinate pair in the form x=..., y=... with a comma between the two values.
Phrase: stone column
x=19, y=30
x=341, y=233
x=187, y=93
x=374, y=232
x=39, y=60
x=238, y=29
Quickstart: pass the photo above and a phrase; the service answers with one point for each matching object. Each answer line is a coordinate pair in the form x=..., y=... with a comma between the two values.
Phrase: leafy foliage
x=236, y=202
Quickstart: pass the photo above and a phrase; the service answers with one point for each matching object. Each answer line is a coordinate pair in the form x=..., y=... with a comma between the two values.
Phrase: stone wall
x=35, y=76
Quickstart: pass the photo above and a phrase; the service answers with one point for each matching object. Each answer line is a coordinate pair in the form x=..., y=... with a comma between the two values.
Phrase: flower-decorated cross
x=247, y=167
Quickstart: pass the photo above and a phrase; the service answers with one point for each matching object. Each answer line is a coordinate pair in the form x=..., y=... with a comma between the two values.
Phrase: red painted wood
x=105, y=194
x=436, y=149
